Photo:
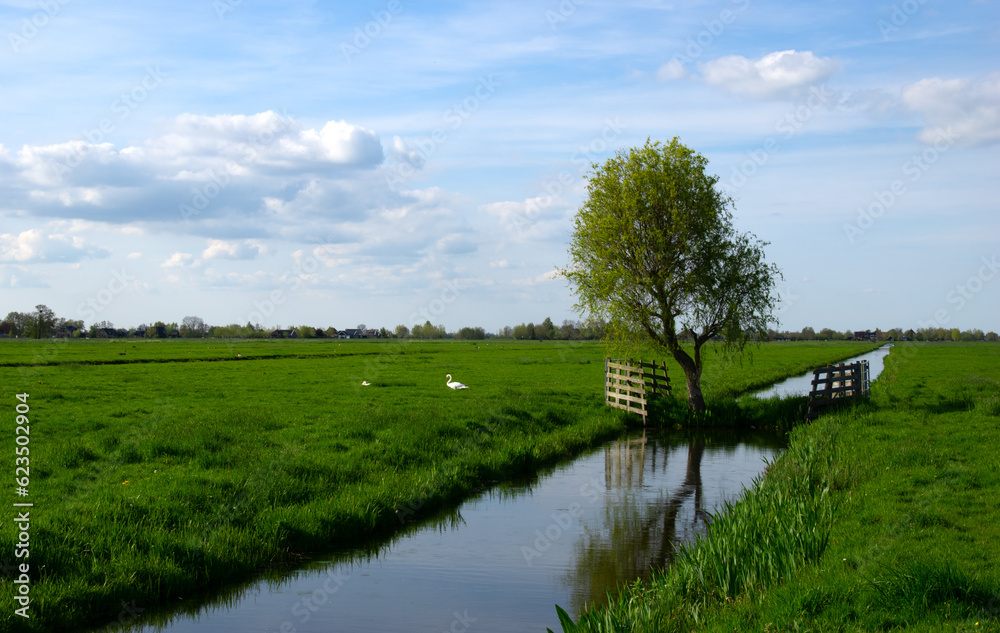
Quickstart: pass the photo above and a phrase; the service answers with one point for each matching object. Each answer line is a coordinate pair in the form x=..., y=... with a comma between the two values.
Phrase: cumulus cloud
x=782, y=74
x=220, y=249
x=36, y=246
x=264, y=140
x=198, y=169
x=674, y=69
x=179, y=260
x=970, y=110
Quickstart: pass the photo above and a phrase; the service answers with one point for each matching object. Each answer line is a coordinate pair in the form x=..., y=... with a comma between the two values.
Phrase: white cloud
x=219, y=249
x=674, y=69
x=539, y=279
x=971, y=111
x=263, y=142
x=198, y=169
x=781, y=74
x=36, y=246
x=179, y=260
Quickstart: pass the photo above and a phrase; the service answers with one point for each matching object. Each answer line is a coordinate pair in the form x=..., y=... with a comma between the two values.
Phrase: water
x=802, y=385
x=502, y=560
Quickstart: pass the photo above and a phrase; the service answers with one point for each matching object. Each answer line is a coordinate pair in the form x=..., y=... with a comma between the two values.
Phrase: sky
x=392, y=162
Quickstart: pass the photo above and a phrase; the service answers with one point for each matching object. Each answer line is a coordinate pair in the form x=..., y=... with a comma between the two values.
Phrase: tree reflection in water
x=637, y=534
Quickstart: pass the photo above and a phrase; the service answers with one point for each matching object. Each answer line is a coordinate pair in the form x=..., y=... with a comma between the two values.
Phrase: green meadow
x=159, y=469
x=877, y=518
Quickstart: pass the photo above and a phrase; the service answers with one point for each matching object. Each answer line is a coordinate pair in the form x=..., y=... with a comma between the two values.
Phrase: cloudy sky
x=391, y=162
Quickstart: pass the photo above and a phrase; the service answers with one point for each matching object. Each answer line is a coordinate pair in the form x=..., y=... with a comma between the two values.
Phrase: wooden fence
x=836, y=384
x=627, y=383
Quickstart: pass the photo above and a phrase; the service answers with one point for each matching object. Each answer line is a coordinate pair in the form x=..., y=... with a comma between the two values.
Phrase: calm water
x=502, y=560
x=802, y=385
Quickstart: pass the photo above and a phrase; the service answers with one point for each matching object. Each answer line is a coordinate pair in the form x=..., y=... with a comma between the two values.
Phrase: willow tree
x=654, y=252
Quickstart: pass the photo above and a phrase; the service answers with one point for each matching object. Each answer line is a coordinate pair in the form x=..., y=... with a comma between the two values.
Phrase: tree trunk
x=695, y=400
x=692, y=376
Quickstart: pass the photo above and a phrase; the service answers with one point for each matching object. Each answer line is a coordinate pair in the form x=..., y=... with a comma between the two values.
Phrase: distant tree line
x=43, y=323
x=894, y=334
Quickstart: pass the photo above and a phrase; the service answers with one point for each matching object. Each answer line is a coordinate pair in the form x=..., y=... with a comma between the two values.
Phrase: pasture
x=162, y=468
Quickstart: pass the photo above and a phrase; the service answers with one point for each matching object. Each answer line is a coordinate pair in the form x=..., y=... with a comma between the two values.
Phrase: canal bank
x=911, y=480
x=501, y=560
x=566, y=537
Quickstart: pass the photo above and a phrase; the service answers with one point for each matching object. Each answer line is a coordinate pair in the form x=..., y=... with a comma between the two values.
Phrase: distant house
x=283, y=334
x=867, y=335
x=351, y=333
x=66, y=331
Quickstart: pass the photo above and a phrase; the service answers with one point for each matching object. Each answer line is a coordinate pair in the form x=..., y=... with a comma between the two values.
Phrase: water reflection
x=506, y=557
x=802, y=385
x=637, y=533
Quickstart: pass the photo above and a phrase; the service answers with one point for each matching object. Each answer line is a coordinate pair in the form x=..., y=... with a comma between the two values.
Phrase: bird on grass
x=453, y=384
x=365, y=383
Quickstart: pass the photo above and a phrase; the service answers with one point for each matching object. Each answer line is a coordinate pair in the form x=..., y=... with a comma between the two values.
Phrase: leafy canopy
x=654, y=252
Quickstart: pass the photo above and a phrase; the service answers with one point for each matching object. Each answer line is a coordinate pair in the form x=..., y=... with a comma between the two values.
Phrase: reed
x=879, y=517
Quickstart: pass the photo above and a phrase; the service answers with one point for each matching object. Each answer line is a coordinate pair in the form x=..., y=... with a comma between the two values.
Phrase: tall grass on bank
x=780, y=524
x=877, y=518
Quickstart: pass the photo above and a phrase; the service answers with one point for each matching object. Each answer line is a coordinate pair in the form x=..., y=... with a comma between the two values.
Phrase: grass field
x=884, y=517
x=183, y=465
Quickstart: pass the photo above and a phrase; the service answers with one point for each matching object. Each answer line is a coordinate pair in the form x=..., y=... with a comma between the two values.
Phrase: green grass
x=155, y=480
x=910, y=480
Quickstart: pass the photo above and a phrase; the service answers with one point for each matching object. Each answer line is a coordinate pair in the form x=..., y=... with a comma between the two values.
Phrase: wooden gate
x=627, y=383
x=837, y=384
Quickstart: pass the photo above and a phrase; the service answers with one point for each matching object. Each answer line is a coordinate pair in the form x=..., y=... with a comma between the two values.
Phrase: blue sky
x=393, y=162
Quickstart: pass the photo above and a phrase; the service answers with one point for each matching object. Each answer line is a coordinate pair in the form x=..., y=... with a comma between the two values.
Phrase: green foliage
x=654, y=251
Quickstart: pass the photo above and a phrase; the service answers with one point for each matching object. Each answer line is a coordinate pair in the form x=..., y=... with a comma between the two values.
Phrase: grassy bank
x=879, y=518
x=165, y=472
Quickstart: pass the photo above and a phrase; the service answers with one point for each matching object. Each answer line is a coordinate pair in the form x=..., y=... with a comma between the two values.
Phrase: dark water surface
x=802, y=385
x=502, y=560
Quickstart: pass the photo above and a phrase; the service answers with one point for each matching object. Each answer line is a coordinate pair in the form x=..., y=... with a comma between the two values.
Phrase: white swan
x=453, y=384
x=365, y=383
